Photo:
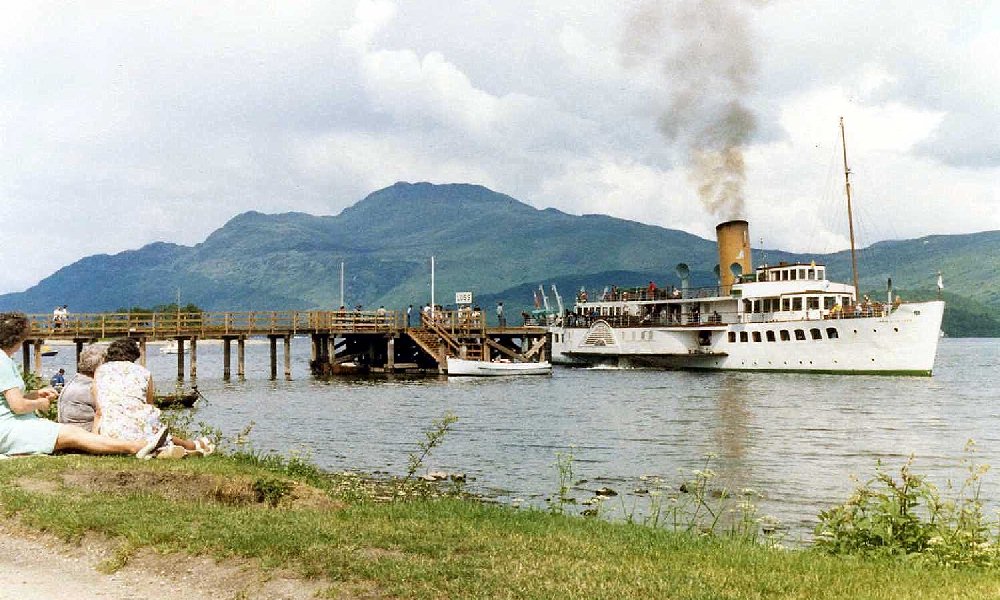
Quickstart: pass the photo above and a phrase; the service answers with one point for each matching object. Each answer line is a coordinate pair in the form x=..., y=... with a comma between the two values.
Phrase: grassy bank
x=347, y=531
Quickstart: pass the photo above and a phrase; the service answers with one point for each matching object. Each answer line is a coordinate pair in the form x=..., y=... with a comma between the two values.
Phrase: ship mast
x=850, y=215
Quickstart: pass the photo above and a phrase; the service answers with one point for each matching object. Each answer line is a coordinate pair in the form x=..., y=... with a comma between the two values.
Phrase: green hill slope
x=482, y=241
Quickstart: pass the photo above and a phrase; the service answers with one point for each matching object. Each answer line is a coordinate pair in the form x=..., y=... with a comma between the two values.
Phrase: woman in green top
x=22, y=432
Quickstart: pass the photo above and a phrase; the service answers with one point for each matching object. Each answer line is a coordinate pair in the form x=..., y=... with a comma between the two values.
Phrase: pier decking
x=342, y=340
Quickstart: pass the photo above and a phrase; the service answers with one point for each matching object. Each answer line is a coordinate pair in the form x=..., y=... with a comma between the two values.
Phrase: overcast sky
x=124, y=123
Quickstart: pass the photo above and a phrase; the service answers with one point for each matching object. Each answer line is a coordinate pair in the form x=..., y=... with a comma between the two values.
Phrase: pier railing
x=215, y=324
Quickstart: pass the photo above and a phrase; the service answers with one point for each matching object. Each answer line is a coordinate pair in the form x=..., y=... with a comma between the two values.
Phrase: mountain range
x=483, y=242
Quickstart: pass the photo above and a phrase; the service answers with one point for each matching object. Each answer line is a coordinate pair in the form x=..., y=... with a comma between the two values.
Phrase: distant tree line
x=162, y=308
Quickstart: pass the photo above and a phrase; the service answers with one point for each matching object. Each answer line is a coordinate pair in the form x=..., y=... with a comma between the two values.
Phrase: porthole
x=896, y=329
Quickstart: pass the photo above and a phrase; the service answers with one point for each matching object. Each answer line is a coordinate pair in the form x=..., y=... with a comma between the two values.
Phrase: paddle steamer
x=783, y=317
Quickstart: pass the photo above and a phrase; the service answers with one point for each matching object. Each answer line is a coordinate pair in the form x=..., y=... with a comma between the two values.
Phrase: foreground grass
x=334, y=528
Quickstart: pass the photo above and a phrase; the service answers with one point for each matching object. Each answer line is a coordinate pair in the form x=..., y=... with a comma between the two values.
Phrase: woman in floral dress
x=124, y=397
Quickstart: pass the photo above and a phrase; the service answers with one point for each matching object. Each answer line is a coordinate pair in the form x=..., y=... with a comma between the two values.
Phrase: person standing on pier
x=409, y=309
x=501, y=318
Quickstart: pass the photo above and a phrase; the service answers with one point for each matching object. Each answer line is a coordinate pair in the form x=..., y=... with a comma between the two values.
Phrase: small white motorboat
x=170, y=347
x=481, y=368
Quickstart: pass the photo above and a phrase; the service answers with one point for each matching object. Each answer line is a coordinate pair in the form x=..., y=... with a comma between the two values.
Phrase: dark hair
x=125, y=349
x=14, y=328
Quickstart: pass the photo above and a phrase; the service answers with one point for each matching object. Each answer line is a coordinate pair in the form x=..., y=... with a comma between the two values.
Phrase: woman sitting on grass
x=76, y=400
x=124, y=397
x=22, y=432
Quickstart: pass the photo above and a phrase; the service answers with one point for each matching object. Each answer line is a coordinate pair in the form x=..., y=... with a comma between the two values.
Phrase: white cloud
x=370, y=17
x=129, y=123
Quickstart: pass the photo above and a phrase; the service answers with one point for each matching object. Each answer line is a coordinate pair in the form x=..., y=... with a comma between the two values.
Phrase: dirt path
x=39, y=567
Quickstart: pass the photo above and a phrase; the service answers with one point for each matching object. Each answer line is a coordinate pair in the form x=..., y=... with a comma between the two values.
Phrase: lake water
x=796, y=439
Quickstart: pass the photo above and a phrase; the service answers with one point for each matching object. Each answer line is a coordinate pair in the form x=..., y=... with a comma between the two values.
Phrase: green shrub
x=908, y=516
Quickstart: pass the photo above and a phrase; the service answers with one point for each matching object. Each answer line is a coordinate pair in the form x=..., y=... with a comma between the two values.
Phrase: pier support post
x=180, y=359
x=226, y=346
x=288, y=357
x=25, y=355
x=38, y=357
x=241, y=357
x=142, y=351
x=194, y=358
x=390, y=355
x=274, y=356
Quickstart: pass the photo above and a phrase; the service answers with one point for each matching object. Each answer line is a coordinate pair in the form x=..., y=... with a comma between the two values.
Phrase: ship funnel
x=734, y=253
x=684, y=273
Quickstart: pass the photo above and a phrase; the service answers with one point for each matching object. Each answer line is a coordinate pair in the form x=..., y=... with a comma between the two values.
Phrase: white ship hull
x=902, y=342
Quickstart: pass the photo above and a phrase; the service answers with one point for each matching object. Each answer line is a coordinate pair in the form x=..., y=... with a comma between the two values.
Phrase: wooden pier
x=343, y=341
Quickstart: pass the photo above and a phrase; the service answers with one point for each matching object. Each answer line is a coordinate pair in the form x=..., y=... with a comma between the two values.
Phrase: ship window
x=732, y=337
x=829, y=302
x=831, y=332
x=802, y=273
x=800, y=334
x=770, y=336
x=784, y=335
x=743, y=336
x=796, y=303
x=816, y=333
x=820, y=274
x=786, y=304
x=812, y=274
x=812, y=302
x=793, y=274
x=756, y=336
x=785, y=275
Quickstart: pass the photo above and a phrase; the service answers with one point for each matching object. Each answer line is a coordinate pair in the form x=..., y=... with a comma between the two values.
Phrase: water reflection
x=732, y=431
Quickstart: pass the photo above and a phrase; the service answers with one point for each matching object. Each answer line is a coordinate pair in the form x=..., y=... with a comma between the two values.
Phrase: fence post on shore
x=142, y=351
